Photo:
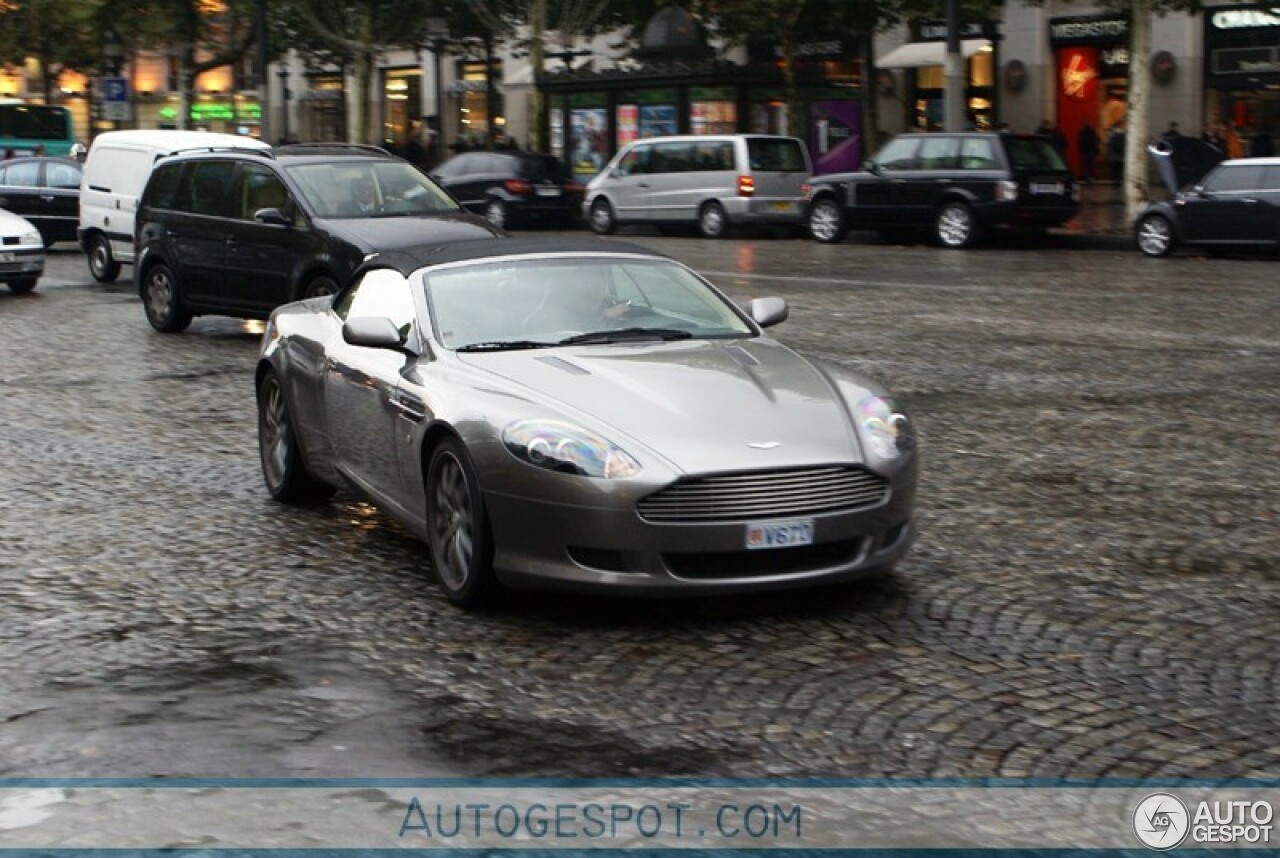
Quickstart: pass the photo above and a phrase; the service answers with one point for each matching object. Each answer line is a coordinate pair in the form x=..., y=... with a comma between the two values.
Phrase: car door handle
x=231, y=239
x=642, y=184
x=48, y=198
x=1250, y=201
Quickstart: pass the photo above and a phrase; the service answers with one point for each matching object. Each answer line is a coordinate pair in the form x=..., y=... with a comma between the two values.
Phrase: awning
x=916, y=54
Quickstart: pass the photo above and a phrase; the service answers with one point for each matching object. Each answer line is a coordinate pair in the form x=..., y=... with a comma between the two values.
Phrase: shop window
x=713, y=117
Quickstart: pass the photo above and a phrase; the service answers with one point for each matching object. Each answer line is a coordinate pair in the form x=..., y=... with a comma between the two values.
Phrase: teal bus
x=24, y=128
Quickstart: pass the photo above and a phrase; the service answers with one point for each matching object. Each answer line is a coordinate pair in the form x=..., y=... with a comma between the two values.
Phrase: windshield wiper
x=503, y=346
x=622, y=334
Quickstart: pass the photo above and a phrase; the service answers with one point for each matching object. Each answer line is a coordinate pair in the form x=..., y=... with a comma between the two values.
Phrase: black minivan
x=240, y=232
x=953, y=185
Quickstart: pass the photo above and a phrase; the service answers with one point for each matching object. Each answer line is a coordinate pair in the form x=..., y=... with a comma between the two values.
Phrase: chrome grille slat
x=765, y=494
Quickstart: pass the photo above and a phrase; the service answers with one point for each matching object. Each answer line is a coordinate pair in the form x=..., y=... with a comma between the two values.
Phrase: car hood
x=14, y=225
x=398, y=233
x=705, y=405
x=1184, y=161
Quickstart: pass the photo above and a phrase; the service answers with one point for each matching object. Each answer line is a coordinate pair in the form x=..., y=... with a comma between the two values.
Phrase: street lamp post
x=283, y=74
x=437, y=38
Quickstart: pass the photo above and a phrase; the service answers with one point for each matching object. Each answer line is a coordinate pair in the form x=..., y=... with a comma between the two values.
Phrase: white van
x=713, y=181
x=115, y=172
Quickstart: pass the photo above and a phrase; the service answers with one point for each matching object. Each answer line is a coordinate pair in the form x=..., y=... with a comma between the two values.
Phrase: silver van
x=713, y=181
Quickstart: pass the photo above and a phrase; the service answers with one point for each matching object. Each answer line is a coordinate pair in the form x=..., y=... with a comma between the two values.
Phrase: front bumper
x=21, y=261
x=543, y=544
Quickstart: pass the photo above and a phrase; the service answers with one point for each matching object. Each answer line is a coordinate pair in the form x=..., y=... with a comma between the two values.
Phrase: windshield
x=534, y=303
x=357, y=189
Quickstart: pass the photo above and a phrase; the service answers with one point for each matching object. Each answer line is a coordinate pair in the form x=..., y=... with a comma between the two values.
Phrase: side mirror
x=373, y=332
x=274, y=217
x=617, y=173
x=768, y=311
x=871, y=167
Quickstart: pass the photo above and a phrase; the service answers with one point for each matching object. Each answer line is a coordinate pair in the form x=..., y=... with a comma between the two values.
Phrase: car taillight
x=517, y=186
x=574, y=187
x=1006, y=191
x=746, y=186
x=805, y=190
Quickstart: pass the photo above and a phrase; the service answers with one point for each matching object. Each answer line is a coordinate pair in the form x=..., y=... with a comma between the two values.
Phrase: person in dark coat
x=1087, y=145
x=1262, y=146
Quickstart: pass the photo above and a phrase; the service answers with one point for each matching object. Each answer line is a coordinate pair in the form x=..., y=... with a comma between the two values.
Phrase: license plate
x=781, y=207
x=780, y=534
x=7, y=257
x=547, y=192
x=1046, y=187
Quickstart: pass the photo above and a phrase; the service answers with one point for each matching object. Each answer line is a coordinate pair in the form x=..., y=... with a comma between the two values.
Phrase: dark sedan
x=45, y=191
x=512, y=188
x=1236, y=204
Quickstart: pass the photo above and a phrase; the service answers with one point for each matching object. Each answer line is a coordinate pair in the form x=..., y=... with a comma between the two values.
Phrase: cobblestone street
x=1095, y=590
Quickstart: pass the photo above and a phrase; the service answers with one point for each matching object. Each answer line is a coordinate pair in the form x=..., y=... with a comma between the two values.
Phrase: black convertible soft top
x=407, y=260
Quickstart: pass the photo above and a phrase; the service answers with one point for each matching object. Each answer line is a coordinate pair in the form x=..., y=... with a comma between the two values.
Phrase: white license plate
x=1046, y=188
x=547, y=192
x=780, y=534
x=7, y=257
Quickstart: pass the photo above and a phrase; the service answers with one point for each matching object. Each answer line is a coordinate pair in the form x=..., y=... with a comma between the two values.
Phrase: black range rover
x=952, y=185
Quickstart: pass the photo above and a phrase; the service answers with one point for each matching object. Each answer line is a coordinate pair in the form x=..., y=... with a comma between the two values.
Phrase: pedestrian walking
x=1115, y=152
x=1087, y=144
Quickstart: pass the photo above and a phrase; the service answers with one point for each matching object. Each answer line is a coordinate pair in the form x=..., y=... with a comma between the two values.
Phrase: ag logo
x=1161, y=821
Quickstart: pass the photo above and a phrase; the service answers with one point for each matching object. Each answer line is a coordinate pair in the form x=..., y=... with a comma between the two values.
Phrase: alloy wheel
x=825, y=221
x=275, y=434
x=1155, y=236
x=496, y=213
x=955, y=225
x=712, y=220
x=454, y=523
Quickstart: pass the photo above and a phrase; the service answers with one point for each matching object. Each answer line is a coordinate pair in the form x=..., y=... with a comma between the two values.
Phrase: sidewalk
x=1101, y=219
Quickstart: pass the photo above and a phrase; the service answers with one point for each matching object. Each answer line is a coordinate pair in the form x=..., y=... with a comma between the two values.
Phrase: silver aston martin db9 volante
x=583, y=414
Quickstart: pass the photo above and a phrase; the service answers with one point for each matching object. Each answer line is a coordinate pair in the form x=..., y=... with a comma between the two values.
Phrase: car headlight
x=885, y=429
x=567, y=449
x=32, y=237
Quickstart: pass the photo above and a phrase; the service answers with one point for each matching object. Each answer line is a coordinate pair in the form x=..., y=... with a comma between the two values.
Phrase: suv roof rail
x=242, y=150
x=323, y=148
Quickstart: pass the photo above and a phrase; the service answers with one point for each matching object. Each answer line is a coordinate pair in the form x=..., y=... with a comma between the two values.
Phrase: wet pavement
x=1094, y=593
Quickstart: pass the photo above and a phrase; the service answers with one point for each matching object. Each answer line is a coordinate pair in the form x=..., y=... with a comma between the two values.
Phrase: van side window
x=163, y=188
x=899, y=154
x=715, y=156
x=977, y=154
x=209, y=192
x=672, y=158
x=260, y=189
x=939, y=153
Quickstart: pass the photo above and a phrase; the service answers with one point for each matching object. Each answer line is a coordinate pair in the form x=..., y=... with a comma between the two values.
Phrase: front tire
x=162, y=300
x=955, y=227
x=602, y=220
x=712, y=221
x=319, y=287
x=102, y=265
x=461, y=544
x=826, y=221
x=283, y=468
x=23, y=285
x=1155, y=235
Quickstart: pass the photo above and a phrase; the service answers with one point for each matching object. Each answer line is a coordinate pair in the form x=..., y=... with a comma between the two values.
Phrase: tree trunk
x=363, y=119
x=537, y=26
x=1137, y=113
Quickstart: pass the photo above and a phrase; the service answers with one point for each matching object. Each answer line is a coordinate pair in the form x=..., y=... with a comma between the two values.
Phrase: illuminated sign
x=1240, y=19
x=223, y=112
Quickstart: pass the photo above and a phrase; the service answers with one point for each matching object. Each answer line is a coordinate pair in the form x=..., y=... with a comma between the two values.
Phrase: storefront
x=924, y=58
x=589, y=119
x=402, y=104
x=1242, y=71
x=1091, y=65
x=481, y=113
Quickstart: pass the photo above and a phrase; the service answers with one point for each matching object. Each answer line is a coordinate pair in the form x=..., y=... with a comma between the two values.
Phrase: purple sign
x=835, y=136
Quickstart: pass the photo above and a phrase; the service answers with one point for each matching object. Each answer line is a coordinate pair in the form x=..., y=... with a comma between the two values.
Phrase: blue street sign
x=115, y=89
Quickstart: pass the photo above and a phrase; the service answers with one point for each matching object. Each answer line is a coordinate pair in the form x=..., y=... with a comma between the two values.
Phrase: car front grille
x=764, y=494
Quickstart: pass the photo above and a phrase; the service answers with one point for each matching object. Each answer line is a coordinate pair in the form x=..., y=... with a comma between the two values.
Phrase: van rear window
x=776, y=156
